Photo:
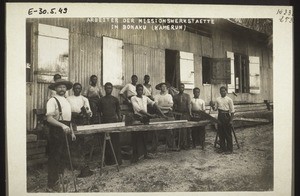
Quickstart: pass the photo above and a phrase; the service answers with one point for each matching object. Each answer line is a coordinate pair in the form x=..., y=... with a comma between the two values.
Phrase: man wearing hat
x=59, y=117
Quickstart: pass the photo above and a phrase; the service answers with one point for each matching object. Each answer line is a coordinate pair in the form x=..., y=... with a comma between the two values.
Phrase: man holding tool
x=59, y=119
x=225, y=107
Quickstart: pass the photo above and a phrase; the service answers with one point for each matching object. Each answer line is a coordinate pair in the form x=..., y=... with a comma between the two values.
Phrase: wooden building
x=205, y=55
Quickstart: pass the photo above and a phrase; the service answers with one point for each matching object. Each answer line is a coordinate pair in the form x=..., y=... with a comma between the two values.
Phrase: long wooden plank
x=166, y=122
x=251, y=119
x=154, y=127
x=100, y=126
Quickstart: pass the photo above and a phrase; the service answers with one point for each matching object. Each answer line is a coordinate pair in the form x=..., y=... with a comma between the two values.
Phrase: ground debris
x=250, y=168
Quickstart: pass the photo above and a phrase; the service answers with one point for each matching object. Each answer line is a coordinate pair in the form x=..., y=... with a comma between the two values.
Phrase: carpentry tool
x=204, y=116
x=236, y=141
x=68, y=149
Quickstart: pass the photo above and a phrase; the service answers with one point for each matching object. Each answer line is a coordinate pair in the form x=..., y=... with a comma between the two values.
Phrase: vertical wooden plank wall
x=144, y=53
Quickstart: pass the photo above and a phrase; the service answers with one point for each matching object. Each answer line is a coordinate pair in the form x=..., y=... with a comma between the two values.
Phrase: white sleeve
x=135, y=105
x=123, y=89
x=231, y=106
x=86, y=103
x=203, y=105
x=50, y=107
x=216, y=104
x=170, y=99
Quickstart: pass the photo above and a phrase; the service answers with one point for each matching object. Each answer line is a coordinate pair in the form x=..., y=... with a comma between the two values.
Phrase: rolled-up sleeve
x=231, y=106
x=203, y=106
x=50, y=107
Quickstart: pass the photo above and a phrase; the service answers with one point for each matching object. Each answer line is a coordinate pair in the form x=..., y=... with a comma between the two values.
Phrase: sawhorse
x=235, y=138
x=107, y=138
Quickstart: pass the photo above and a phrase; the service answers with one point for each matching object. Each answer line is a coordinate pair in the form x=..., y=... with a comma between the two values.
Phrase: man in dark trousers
x=197, y=104
x=81, y=114
x=109, y=109
x=225, y=107
x=59, y=118
x=182, y=105
x=139, y=104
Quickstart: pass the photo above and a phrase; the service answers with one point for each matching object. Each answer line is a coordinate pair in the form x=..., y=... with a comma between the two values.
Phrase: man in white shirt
x=80, y=106
x=81, y=114
x=225, y=107
x=197, y=105
x=165, y=102
x=129, y=90
x=139, y=104
x=58, y=113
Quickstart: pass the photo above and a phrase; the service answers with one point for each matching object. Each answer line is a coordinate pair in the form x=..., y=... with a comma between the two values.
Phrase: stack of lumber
x=36, y=152
x=248, y=115
x=246, y=108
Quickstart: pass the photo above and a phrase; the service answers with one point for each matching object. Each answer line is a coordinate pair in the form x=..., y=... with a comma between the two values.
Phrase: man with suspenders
x=59, y=118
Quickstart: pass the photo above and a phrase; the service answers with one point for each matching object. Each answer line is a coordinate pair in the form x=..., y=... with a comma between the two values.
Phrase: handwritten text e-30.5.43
x=39, y=11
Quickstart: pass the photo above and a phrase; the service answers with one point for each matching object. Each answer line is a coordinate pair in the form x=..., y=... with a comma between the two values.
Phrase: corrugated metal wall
x=144, y=53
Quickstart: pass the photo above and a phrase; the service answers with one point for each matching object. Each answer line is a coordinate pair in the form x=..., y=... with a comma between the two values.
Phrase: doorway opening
x=172, y=72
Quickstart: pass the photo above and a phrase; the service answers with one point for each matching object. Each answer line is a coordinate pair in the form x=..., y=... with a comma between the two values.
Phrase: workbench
x=121, y=128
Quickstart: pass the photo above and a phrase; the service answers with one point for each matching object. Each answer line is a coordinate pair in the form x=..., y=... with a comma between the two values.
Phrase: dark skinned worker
x=225, y=107
x=139, y=103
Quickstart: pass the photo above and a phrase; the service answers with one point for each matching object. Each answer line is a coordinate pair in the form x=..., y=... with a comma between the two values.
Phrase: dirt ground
x=249, y=168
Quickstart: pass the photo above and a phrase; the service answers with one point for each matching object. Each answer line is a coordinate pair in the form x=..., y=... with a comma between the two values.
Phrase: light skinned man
x=59, y=118
x=165, y=102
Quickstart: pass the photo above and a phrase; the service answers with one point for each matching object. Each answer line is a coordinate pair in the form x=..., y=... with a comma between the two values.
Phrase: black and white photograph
x=152, y=102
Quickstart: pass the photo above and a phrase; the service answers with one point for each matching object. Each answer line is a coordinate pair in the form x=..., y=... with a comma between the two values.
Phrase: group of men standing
x=93, y=108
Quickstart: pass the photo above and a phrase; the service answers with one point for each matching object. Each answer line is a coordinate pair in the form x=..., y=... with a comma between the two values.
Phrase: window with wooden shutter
x=53, y=52
x=241, y=73
x=220, y=71
x=187, y=69
x=112, y=68
x=254, y=74
x=231, y=85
